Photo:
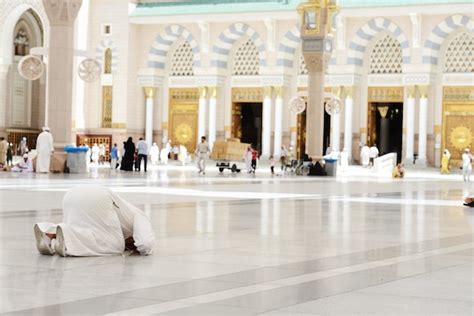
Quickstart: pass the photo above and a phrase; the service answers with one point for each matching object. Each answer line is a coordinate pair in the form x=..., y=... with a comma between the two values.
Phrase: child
x=272, y=164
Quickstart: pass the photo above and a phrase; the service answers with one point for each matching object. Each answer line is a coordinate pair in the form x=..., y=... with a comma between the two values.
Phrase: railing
x=385, y=163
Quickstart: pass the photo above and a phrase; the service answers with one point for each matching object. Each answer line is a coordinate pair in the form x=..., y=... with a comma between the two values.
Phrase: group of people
x=44, y=150
x=368, y=155
x=466, y=158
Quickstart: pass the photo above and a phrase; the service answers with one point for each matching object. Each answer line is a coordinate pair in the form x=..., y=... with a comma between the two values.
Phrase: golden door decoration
x=183, y=117
x=385, y=94
x=253, y=95
x=90, y=140
x=458, y=121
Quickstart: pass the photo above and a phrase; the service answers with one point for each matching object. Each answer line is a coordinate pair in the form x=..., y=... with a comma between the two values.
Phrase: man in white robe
x=365, y=156
x=23, y=166
x=344, y=157
x=96, y=222
x=95, y=153
x=44, y=149
x=373, y=153
x=164, y=156
x=154, y=154
x=466, y=165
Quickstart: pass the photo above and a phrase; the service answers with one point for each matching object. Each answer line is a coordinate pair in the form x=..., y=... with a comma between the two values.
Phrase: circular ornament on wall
x=89, y=70
x=30, y=67
x=460, y=137
x=333, y=103
x=183, y=133
x=297, y=105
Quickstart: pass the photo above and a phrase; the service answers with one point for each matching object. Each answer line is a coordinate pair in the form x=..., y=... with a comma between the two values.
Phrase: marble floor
x=358, y=244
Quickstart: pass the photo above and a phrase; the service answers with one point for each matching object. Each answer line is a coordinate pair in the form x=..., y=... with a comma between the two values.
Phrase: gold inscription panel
x=385, y=94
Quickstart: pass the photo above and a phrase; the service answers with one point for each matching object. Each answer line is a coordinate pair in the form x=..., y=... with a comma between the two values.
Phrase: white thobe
x=344, y=160
x=23, y=166
x=154, y=153
x=96, y=222
x=365, y=156
x=248, y=160
x=164, y=155
x=95, y=153
x=466, y=166
x=373, y=152
x=44, y=149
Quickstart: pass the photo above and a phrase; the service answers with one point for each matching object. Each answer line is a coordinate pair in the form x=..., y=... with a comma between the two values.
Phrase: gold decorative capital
x=202, y=92
x=348, y=90
x=164, y=125
x=383, y=111
x=149, y=92
x=227, y=128
x=278, y=91
x=213, y=92
x=411, y=91
x=267, y=92
x=423, y=91
x=337, y=91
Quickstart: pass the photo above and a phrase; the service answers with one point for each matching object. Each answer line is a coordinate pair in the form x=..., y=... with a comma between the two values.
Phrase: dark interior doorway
x=247, y=123
x=327, y=131
x=386, y=127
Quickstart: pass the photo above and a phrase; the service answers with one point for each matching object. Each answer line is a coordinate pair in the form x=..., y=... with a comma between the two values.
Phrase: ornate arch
x=158, y=53
x=288, y=48
x=226, y=40
x=103, y=45
x=365, y=34
x=438, y=35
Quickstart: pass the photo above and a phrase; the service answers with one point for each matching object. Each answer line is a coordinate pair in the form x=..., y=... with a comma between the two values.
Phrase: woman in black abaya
x=127, y=160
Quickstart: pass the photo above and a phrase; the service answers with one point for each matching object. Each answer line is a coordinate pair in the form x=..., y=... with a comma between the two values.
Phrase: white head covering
x=45, y=129
x=25, y=156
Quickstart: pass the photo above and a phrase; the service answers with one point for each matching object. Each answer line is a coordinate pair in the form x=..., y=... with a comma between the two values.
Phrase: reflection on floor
x=248, y=245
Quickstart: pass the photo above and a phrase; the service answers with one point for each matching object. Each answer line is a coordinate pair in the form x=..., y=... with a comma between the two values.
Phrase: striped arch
x=223, y=46
x=288, y=47
x=100, y=50
x=157, y=55
x=366, y=33
x=440, y=33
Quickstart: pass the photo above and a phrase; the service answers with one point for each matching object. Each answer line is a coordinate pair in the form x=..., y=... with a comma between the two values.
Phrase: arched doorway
x=25, y=100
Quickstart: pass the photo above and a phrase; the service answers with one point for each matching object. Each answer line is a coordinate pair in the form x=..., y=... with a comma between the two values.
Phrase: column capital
x=267, y=92
x=149, y=92
x=212, y=91
x=316, y=62
x=62, y=11
x=411, y=90
x=202, y=92
x=423, y=89
x=279, y=91
x=348, y=91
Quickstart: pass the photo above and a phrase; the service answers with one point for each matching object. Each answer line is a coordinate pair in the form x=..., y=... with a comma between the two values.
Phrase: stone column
x=202, y=113
x=212, y=115
x=149, y=100
x=316, y=64
x=266, y=121
x=422, y=135
x=384, y=130
x=336, y=124
x=3, y=99
x=61, y=16
x=278, y=122
x=410, y=127
x=348, y=105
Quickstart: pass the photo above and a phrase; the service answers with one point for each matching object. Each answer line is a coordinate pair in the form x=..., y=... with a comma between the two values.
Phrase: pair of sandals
x=47, y=246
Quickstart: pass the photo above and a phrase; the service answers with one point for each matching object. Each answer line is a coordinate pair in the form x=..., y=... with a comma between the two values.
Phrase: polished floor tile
x=358, y=244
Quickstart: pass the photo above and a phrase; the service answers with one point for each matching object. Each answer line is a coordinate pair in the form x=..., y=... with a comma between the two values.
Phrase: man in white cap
x=23, y=166
x=44, y=148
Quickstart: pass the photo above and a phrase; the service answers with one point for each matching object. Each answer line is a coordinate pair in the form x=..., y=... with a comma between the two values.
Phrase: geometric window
x=183, y=61
x=246, y=60
x=303, y=69
x=386, y=57
x=459, y=55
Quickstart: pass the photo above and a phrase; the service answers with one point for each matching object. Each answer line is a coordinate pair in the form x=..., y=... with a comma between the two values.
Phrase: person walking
x=3, y=151
x=114, y=157
x=466, y=165
x=445, y=162
x=10, y=154
x=129, y=151
x=142, y=150
x=44, y=148
x=272, y=164
x=254, y=159
x=202, y=154
x=284, y=154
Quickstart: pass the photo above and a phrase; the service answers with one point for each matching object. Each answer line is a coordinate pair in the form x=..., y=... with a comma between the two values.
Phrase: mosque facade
x=174, y=71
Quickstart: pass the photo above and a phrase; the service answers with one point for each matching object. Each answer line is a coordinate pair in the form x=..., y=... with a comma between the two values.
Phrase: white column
x=278, y=121
x=266, y=121
x=422, y=138
x=348, y=105
x=335, y=131
x=410, y=127
x=202, y=113
x=212, y=115
x=149, y=94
